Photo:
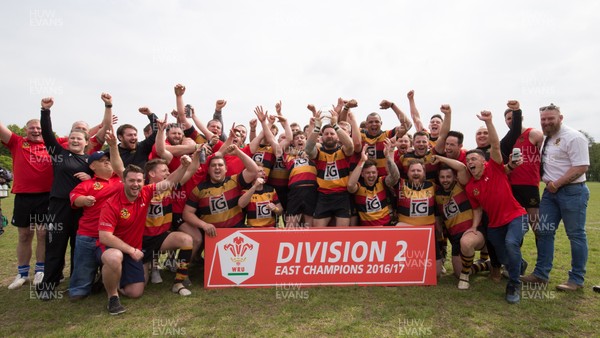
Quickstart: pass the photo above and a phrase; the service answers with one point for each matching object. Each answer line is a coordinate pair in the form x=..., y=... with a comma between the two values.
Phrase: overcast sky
x=472, y=55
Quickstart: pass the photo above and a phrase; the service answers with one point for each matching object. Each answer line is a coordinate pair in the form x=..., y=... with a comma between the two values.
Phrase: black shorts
x=131, y=272
x=455, y=240
x=528, y=196
x=333, y=205
x=151, y=246
x=176, y=221
x=30, y=208
x=282, y=193
x=302, y=200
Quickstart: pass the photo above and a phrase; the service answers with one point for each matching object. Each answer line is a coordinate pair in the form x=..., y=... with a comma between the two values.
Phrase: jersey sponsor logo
x=371, y=151
x=98, y=186
x=300, y=162
x=262, y=210
x=124, y=213
x=451, y=209
x=279, y=163
x=259, y=157
x=26, y=145
x=476, y=192
x=418, y=207
x=331, y=172
x=373, y=204
x=218, y=204
x=155, y=210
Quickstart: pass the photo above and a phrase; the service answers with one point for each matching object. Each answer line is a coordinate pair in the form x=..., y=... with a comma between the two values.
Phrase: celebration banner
x=320, y=256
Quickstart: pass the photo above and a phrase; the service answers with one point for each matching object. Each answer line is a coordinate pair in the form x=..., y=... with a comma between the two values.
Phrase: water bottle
x=202, y=155
x=4, y=190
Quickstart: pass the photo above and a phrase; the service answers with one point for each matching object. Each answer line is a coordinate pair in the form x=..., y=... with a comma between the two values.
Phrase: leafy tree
x=593, y=173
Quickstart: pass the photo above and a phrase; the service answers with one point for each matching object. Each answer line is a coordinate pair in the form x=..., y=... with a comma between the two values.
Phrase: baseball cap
x=96, y=156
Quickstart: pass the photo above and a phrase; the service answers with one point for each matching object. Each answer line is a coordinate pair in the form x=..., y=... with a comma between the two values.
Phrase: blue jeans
x=85, y=266
x=507, y=244
x=569, y=204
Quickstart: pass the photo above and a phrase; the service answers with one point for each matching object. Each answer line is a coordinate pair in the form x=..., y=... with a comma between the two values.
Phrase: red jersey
x=102, y=190
x=32, y=165
x=493, y=193
x=126, y=219
x=175, y=161
x=527, y=173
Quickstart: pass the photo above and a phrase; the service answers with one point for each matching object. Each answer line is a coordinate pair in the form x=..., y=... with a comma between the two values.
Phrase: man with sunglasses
x=565, y=159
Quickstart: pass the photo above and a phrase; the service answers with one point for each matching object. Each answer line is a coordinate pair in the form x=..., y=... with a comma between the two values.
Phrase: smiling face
x=329, y=138
x=102, y=167
x=475, y=164
x=34, y=131
x=447, y=178
x=217, y=170
x=550, y=119
x=159, y=173
x=373, y=123
x=435, y=125
x=369, y=174
x=421, y=144
x=133, y=183
x=416, y=173
x=129, y=138
x=481, y=137
x=299, y=141
x=77, y=142
x=175, y=135
x=215, y=127
x=452, y=148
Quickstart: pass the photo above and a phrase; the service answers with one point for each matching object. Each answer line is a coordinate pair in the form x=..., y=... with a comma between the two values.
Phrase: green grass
x=441, y=310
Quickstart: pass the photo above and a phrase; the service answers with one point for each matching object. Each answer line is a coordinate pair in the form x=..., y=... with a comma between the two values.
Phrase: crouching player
x=456, y=215
x=121, y=227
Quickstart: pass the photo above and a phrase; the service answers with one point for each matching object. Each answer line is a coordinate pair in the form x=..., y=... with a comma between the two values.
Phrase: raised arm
x=356, y=139
x=495, y=154
x=246, y=197
x=314, y=129
x=287, y=130
x=508, y=141
x=5, y=133
x=218, y=115
x=106, y=119
x=414, y=112
x=181, y=118
x=446, y=125
x=52, y=145
x=460, y=168
x=115, y=157
x=355, y=174
x=160, y=144
x=345, y=140
x=251, y=168
x=175, y=177
x=405, y=123
x=393, y=172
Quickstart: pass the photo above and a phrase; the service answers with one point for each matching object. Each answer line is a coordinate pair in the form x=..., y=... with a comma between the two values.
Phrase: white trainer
x=155, y=277
x=18, y=282
x=37, y=278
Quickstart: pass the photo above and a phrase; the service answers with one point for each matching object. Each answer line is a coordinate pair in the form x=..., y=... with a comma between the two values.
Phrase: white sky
x=473, y=55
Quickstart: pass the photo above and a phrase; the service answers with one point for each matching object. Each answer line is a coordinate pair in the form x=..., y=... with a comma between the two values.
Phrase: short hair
x=363, y=125
x=456, y=134
x=416, y=161
x=445, y=167
x=369, y=163
x=276, y=129
x=374, y=114
x=508, y=110
x=147, y=128
x=121, y=129
x=152, y=164
x=299, y=132
x=217, y=157
x=326, y=127
x=294, y=124
x=173, y=125
x=420, y=133
x=132, y=168
x=32, y=121
x=213, y=121
x=476, y=151
x=86, y=136
x=438, y=116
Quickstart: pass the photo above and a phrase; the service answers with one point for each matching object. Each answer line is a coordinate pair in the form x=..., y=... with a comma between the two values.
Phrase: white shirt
x=567, y=148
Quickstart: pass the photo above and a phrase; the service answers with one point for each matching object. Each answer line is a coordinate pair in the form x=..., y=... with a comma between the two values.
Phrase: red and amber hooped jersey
x=217, y=203
x=302, y=171
x=332, y=170
x=416, y=206
x=257, y=212
x=431, y=170
x=279, y=174
x=454, y=208
x=160, y=213
x=264, y=154
x=376, y=146
x=372, y=203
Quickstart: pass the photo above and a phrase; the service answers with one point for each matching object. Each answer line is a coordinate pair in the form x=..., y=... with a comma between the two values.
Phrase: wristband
x=108, y=105
x=336, y=127
x=392, y=105
x=316, y=130
x=345, y=108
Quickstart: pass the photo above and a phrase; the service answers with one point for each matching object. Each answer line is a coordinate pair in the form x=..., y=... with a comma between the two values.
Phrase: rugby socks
x=39, y=267
x=24, y=270
x=484, y=256
x=480, y=266
x=467, y=262
x=184, y=256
